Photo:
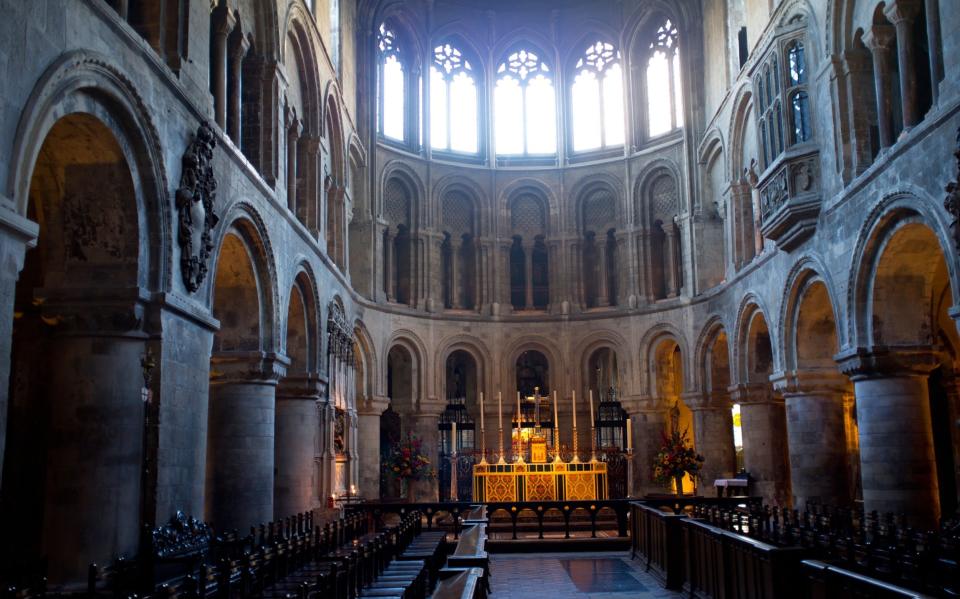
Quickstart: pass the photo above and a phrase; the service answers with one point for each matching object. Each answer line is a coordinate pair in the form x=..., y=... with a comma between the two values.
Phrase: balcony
x=790, y=199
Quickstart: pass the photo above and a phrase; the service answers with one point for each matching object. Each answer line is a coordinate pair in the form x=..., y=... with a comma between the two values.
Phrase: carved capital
x=898, y=11
x=753, y=393
x=884, y=362
x=248, y=367
x=305, y=386
x=711, y=400
x=809, y=381
x=880, y=38
x=372, y=406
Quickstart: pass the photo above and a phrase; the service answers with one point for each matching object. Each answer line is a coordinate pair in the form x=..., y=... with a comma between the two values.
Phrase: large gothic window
x=392, y=90
x=525, y=106
x=770, y=113
x=597, y=99
x=799, y=99
x=453, y=101
x=664, y=88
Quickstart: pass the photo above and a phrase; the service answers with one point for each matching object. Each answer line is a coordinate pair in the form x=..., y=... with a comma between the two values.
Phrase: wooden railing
x=658, y=541
x=827, y=581
x=728, y=565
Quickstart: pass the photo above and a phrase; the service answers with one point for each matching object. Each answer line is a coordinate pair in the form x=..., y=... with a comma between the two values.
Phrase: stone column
x=369, y=410
x=17, y=234
x=713, y=435
x=934, y=43
x=95, y=438
x=389, y=264
x=603, y=288
x=649, y=418
x=902, y=14
x=326, y=456
x=879, y=40
x=239, y=45
x=240, y=438
x=294, y=128
x=764, y=424
x=898, y=467
x=297, y=425
x=528, y=275
x=424, y=424
x=223, y=23
x=857, y=68
x=671, y=267
x=816, y=435
x=455, y=273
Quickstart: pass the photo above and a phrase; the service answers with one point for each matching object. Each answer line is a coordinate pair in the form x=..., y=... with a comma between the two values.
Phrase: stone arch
x=477, y=350
x=459, y=34
x=594, y=29
x=409, y=342
x=523, y=36
x=754, y=366
x=88, y=82
x=740, y=120
x=704, y=376
x=807, y=272
x=891, y=216
x=244, y=222
x=533, y=186
x=597, y=340
x=296, y=30
x=540, y=344
x=590, y=185
x=304, y=291
x=472, y=192
x=657, y=168
x=367, y=367
x=648, y=345
x=401, y=171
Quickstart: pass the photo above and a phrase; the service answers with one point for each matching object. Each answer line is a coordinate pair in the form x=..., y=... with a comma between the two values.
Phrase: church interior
x=479, y=298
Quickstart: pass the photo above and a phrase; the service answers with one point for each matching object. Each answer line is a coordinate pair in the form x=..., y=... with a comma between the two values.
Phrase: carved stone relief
x=195, y=206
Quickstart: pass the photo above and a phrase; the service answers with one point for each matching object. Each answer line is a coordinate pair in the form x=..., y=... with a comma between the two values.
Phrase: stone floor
x=607, y=575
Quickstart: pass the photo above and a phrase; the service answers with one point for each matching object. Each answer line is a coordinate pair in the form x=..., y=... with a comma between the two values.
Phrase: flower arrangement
x=407, y=461
x=675, y=459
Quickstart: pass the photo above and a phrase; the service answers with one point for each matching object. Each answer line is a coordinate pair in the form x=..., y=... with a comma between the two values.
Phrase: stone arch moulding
x=305, y=47
x=892, y=212
x=805, y=271
x=397, y=169
x=642, y=187
x=473, y=192
x=244, y=221
x=477, y=350
x=368, y=354
x=537, y=343
x=750, y=308
x=534, y=187
x=88, y=81
x=738, y=128
x=647, y=355
x=599, y=340
x=412, y=344
x=705, y=341
x=583, y=189
x=303, y=276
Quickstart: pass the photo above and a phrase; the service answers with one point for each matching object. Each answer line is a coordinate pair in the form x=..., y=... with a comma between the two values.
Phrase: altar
x=552, y=481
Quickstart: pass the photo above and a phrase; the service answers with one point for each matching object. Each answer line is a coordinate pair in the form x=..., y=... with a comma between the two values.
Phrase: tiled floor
x=609, y=575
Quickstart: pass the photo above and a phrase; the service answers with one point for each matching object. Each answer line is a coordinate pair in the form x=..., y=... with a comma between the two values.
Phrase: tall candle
x=556, y=421
x=481, y=410
x=591, y=408
x=500, y=410
x=629, y=434
x=453, y=438
x=574, y=409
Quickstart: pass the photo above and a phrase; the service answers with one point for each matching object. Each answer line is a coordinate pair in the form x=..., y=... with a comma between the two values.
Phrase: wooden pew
x=658, y=541
x=460, y=583
x=471, y=552
x=827, y=581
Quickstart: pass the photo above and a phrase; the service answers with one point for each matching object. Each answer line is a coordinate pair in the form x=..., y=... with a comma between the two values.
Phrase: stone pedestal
x=898, y=467
x=369, y=411
x=424, y=425
x=764, y=426
x=816, y=435
x=649, y=419
x=297, y=426
x=240, y=438
x=713, y=436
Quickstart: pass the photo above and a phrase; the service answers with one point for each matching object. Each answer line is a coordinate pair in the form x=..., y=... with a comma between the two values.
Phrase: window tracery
x=597, y=110
x=453, y=101
x=392, y=92
x=525, y=106
x=664, y=88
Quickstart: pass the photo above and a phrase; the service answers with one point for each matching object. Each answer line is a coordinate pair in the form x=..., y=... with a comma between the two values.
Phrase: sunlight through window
x=597, y=99
x=664, y=89
x=453, y=102
x=524, y=106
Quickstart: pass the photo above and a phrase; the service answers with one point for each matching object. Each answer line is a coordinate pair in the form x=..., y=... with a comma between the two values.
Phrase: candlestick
x=519, y=459
x=576, y=443
x=481, y=410
x=483, y=436
x=591, y=407
x=556, y=430
x=500, y=428
x=453, y=437
x=629, y=435
x=593, y=430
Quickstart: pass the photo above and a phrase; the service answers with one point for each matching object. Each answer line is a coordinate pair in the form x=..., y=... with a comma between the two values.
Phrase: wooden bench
x=471, y=552
x=460, y=583
x=827, y=581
